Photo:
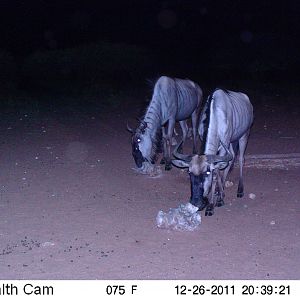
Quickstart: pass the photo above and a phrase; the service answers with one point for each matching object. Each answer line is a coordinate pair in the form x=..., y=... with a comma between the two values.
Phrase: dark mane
x=157, y=145
x=206, y=119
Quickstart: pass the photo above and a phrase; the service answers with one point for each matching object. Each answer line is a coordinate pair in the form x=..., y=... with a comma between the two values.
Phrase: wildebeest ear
x=180, y=163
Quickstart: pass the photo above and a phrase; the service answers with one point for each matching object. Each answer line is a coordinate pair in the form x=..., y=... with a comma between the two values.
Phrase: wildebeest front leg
x=212, y=200
x=220, y=191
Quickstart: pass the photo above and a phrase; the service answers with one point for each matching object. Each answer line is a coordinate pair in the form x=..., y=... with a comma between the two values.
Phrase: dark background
x=209, y=41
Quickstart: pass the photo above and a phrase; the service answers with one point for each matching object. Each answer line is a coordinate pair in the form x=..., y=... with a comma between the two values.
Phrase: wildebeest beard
x=197, y=191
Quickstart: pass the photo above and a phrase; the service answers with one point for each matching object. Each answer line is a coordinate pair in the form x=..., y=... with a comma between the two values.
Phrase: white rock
x=272, y=222
x=228, y=183
x=252, y=196
x=47, y=244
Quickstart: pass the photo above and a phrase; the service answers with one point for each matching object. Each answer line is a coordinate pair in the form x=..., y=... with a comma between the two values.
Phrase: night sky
x=189, y=29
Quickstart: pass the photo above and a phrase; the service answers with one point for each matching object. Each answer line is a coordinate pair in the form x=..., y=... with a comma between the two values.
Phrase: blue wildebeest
x=224, y=128
x=173, y=100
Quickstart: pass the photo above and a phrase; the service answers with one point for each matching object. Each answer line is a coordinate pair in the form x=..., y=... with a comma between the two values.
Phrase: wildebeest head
x=141, y=144
x=201, y=170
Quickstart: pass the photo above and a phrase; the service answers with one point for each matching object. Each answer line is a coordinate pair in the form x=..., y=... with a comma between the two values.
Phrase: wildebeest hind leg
x=171, y=125
x=242, y=145
x=185, y=129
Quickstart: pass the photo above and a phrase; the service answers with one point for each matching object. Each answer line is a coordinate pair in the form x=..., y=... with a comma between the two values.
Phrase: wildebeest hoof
x=168, y=166
x=220, y=203
x=240, y=194
x=209, y=210
x=163, y=161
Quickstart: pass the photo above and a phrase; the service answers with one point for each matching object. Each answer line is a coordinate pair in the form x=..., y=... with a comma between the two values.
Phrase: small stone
x=47, y=244
x=252, y=196
x=272, y=222
x=228, y=183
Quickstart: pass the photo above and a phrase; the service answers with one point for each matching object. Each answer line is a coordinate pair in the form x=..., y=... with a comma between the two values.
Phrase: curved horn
x=129, y=129
x=217, y=158
x=184, y=157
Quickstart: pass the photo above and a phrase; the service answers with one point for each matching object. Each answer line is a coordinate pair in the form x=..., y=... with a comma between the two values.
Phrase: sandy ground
x=71, y=206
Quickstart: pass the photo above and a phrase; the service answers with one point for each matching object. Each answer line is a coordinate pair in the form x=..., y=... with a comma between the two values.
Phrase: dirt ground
x=71, y=206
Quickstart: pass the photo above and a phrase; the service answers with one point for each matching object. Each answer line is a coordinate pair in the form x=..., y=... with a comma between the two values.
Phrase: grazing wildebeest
x=224, y=127
x=173, y=100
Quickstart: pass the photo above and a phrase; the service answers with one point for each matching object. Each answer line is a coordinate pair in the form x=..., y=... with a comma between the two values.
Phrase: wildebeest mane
x=157, y=145
x=206, y=117
x=205, y=121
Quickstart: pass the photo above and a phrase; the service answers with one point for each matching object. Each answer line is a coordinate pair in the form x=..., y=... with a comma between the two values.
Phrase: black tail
x=235, y=147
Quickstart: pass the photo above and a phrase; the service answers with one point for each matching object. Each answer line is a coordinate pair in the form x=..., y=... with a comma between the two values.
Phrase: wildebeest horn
x=217, y=158
x=184, y=157
x=129, y=129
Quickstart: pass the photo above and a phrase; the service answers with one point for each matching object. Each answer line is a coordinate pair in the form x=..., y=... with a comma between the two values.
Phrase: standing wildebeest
x=224, y=127
x=172, y=100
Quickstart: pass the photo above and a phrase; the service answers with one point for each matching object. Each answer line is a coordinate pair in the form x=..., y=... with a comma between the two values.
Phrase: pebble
x=47, y=244
x=272, y=222
x=228, y=183
x=252, y=196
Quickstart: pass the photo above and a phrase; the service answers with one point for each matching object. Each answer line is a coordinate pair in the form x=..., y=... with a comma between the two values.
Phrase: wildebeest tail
x=235, y=147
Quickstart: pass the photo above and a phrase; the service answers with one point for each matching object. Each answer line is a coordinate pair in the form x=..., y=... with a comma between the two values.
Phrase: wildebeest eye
x=138, y=140
x=207, y=172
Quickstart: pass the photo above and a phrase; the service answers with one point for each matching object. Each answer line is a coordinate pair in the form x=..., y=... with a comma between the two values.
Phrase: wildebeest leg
x=171, y=125
x=185, y=129
x=220, y=195
x=212, y=202
x=164, y=135
x=222, y=175
x=195, y=116
x=242, y=145
x=228, y=168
